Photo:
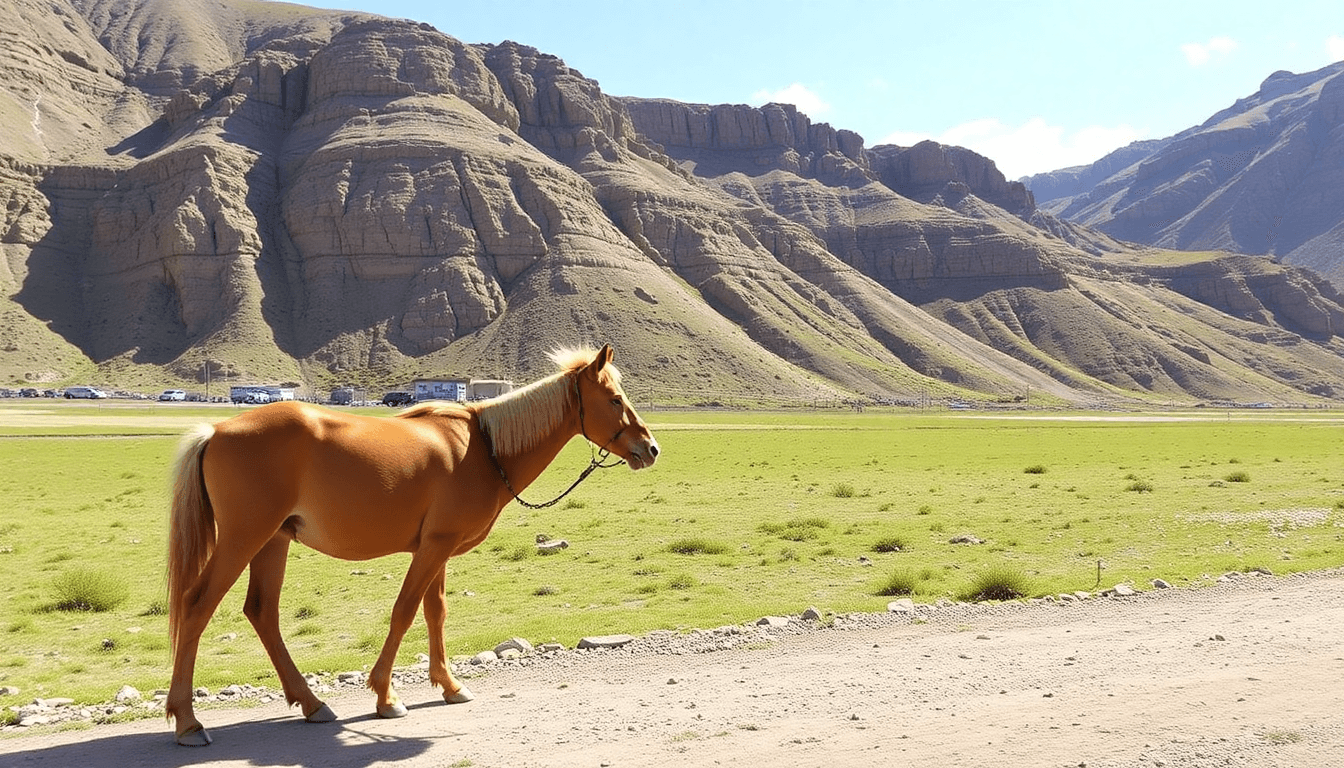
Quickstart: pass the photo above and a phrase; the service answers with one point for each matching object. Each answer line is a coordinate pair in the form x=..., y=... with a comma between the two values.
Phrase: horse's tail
x=191, y=525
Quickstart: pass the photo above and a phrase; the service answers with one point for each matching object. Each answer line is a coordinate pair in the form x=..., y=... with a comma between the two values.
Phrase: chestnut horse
x=430, y=481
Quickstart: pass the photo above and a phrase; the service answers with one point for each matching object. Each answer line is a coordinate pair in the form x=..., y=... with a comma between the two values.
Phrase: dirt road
x=1249, y=673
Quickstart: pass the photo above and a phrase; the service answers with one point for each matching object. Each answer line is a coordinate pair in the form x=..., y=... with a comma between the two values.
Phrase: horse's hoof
x=462, y=696
x=195, y=736
x=322, y=714
x=394, y=710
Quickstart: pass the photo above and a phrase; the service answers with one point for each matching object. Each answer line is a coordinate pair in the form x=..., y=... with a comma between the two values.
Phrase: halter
x=599, y=455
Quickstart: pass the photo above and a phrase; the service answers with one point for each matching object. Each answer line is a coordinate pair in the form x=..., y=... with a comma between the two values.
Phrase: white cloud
x=1334, y=46
x=1199, y=54
x=1032, y=147
x=797, y=94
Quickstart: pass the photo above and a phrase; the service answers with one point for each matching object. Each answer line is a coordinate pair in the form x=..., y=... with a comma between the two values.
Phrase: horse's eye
x=616, y=401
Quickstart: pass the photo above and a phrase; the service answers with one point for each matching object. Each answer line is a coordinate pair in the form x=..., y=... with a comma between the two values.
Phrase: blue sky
x=1035, y=85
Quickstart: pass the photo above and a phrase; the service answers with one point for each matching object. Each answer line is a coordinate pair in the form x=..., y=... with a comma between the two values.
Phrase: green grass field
x=745, y=514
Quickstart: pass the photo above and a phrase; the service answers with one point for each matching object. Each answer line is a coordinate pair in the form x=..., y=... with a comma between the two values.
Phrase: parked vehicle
x=84, y=393
x=398, y=399
x=173, y=395
x=27, y=392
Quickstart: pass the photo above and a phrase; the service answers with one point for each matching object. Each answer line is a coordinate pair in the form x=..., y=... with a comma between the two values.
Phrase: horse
x=430, y=480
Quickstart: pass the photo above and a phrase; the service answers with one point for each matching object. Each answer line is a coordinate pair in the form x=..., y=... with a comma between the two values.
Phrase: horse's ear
x=603, y=358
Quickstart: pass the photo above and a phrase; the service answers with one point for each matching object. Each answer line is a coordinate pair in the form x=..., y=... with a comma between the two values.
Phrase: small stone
x=126, y=695
x=773, y=621
x=517, y=644
x=811, y=614
x=348, y=677
x=550, y=647
x=903, y=605
x=228, y=637
x=966, y=538
x=1160, y=584
x=605, y=641
x=485, y=657
x=551, y=547
x=8, y=690
x=109, y=643
x=202, y=692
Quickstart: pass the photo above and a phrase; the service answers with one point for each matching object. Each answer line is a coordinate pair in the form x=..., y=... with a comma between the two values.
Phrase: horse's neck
x=524, y=465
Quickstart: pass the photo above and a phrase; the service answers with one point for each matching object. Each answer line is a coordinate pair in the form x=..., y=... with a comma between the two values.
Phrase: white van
x=84, y=393
x=173, y=394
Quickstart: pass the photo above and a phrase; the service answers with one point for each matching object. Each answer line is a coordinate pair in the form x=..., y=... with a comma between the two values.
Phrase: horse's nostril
x=653, y=450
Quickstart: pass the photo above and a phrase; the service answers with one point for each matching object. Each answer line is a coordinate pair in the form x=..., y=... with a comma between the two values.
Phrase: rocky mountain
x=264, y=191
x=1260, y=177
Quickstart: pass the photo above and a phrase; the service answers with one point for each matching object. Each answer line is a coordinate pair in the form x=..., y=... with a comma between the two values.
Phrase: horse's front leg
x=426, y=564
x=440, y=671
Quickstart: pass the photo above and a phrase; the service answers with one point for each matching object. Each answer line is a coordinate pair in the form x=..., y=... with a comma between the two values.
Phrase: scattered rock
x=1160, y=584
x=516, y=644
x=812, y=614
x=902, y=605
x=605, y=641
x=773, y=621
x=551, y=547
x=126, y=695
x=966, y=538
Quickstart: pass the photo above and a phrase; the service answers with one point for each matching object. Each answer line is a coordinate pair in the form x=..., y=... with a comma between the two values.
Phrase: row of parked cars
x=88, y=393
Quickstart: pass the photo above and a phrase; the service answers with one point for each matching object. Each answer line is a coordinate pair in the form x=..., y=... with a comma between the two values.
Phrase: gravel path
x=1245, y=673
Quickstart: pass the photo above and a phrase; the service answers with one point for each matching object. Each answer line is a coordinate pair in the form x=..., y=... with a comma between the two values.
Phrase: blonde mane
x=516, y=420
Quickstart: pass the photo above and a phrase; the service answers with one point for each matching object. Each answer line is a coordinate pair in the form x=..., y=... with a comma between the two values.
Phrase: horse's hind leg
x=262, y=608
x=199, y=602
x=440, y=673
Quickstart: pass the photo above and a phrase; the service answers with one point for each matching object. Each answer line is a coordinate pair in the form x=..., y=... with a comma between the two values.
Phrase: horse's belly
x=347, y=539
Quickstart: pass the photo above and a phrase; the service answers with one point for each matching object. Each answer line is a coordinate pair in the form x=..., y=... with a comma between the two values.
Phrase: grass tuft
x=999, y=582
x=890, y=544
x=86, y=589
x=697, y=546
x=899, y=584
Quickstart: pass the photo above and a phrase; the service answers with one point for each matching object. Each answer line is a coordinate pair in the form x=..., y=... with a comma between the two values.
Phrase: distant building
x=484, y=389
x=439, y=389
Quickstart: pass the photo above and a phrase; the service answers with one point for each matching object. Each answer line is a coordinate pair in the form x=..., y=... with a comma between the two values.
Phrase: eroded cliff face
x=291, y=194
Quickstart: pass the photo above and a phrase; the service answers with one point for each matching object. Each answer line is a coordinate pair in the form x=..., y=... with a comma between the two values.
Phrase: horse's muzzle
x=643, y=454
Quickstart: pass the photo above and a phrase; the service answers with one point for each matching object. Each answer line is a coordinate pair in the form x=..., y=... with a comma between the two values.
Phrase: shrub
x=999, y=582
x=1035, y=469
x=85, y=589
x=843, y=491
x=1140, y=486
x=898, y=584
x=890, y=544
x=697, y=546
x=1240, y=476
x=545, y=590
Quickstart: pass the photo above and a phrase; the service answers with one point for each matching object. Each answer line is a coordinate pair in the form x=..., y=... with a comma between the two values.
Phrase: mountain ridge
x=325, y=197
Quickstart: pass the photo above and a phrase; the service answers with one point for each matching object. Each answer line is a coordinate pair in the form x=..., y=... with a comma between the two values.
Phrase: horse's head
x=608, y=419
